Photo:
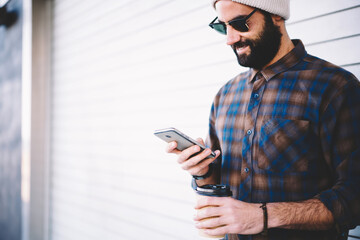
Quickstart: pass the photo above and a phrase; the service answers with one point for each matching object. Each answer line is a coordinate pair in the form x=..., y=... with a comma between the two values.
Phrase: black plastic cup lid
x=214, y=190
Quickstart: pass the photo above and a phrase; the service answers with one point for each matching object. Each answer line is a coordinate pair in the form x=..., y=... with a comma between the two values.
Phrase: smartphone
x=183, y=141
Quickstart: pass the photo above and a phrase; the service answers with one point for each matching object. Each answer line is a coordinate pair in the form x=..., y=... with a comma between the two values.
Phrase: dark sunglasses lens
x=240, y=26
x=221, y=28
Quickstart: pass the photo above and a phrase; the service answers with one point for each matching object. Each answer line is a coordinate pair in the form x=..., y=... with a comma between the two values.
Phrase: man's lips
x=241, y=49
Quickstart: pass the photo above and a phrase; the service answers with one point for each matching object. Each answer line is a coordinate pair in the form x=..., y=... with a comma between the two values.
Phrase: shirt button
x=246, y=170
x=249, y=132
x=256, y=96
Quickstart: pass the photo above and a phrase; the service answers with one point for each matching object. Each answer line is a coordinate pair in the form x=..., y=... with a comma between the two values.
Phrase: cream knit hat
x=277, y=7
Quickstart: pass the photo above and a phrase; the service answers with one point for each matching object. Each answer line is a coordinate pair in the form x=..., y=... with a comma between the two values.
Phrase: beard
x=263, y=48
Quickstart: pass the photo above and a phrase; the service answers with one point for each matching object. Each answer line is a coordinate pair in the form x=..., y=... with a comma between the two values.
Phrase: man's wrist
x=273, y=220
x=265, y=219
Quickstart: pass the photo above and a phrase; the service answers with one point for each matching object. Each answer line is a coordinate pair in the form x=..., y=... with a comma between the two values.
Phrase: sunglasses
x=238, y=24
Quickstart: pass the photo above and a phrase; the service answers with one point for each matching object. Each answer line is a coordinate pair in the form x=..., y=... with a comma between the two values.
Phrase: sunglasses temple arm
x=248, y=16
x=212, y=22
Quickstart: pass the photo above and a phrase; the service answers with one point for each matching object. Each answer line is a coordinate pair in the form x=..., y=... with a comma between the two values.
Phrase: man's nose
x=232, y=35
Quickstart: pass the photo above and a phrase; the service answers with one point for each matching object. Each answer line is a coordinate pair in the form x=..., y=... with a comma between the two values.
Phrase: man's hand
x=227, y=215
x=195, y=165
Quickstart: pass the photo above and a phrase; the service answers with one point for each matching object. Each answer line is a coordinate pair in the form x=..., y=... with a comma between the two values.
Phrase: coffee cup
x=212, y=190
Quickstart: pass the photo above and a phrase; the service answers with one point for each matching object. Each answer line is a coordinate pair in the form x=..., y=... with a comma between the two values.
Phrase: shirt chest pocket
x=283, y=145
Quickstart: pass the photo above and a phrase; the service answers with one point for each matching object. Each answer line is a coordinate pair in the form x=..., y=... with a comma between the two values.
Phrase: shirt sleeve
x=212, y=141
x=340, y=137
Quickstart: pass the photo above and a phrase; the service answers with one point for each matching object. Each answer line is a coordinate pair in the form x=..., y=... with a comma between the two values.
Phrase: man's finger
x=171, y=148
x=217, y=231
x=212, y=222
x=203, y=201
x=207, y=212
x=197, y=168
x=195, y=160
x=200, y=140
x=184, y=156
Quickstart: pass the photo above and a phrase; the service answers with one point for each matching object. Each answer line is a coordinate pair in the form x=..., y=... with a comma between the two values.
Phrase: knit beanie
x=277, y=7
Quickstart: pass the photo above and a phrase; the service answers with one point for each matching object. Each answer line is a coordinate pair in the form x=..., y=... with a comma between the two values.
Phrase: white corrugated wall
x=123, y=68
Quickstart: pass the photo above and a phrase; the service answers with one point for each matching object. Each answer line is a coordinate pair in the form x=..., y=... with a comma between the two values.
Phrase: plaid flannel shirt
x=291, y=133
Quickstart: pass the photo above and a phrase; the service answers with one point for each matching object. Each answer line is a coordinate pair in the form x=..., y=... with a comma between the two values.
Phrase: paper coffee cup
x=211, y=190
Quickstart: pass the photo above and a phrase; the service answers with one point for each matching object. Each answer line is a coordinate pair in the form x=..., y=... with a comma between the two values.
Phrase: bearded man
x=286, y=134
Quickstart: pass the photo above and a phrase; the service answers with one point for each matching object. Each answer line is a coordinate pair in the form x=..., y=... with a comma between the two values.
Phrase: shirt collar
x=283, y=64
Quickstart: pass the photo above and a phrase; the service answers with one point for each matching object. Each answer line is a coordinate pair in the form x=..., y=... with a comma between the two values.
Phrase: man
x=286, y=135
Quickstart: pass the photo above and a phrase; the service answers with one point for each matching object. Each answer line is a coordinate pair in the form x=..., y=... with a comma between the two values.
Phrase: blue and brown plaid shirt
x=291, y=132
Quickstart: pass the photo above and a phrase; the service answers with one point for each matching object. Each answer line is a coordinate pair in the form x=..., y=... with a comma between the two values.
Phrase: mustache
x=241, y=44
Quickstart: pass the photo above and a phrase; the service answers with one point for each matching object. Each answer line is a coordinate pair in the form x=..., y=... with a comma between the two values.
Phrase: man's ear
x=277, y=20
